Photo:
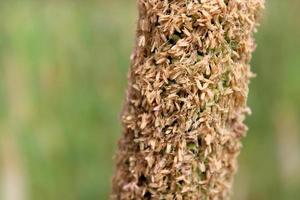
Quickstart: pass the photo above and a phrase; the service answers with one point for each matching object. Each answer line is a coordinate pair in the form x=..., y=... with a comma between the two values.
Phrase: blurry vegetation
x=63, y=69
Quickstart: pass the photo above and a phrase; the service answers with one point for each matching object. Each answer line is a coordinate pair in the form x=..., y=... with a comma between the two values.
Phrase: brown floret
x=186, y=99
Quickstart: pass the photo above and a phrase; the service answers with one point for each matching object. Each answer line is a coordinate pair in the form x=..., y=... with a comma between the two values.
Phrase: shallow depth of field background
x=63, y=69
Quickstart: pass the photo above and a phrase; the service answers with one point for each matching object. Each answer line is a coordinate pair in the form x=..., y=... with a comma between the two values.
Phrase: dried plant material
x=186, y=100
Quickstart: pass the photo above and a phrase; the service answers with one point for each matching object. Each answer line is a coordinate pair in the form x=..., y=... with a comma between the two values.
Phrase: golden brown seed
x=186, y=101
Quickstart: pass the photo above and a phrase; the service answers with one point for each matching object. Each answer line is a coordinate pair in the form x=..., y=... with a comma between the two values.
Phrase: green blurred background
x=63, y=69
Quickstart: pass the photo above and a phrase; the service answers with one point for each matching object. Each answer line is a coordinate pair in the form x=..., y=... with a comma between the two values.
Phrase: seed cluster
x=186, y=99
